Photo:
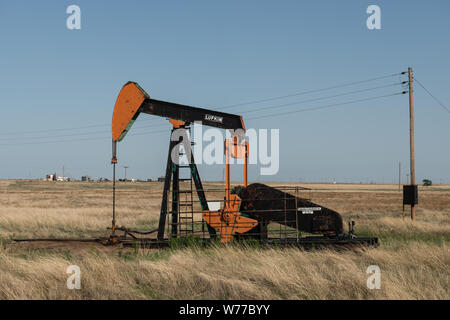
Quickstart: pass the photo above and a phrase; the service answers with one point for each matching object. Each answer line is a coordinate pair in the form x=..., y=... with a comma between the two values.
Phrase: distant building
x=55, y=177
x=51, y=177
x=161, y=179
x=86, y=178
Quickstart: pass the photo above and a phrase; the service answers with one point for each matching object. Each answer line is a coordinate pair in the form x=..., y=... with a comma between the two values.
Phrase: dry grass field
x=414, y=258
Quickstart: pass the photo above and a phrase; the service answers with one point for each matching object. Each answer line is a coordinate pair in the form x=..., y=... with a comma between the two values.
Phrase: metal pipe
x=114, y=162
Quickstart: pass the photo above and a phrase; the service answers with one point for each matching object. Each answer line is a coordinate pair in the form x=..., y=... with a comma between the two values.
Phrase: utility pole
x=63, y=174
x=125, y=167
x=411, y=137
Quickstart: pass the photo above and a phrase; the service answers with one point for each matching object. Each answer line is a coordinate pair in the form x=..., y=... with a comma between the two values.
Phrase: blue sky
x=219, y=53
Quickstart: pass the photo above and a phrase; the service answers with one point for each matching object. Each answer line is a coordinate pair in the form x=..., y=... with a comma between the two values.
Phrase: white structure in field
x=55, y=177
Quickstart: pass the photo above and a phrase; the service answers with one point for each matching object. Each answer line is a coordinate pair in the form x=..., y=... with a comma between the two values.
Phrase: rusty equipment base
x=310, y=242
x=305, y=242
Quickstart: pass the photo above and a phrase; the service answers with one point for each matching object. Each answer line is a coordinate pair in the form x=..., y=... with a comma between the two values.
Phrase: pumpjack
x=247, y=211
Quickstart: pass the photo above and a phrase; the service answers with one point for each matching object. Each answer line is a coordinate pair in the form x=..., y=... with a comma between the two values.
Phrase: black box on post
x=410, y=194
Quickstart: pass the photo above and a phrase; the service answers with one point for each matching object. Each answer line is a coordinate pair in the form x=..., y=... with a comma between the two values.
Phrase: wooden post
x=411, y=136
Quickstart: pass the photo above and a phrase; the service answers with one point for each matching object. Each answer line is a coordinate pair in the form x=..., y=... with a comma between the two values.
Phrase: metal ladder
x=185, y=204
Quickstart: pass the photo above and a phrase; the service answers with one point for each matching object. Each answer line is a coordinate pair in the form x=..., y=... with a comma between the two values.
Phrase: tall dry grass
x=414, y=257
x=418, y=271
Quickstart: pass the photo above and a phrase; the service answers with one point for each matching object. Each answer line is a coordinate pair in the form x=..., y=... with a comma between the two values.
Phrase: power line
x=72, y=128
x=311, y=91
x=258, y=117
x=435, y=99
x=108, y=138
x=50, y=142
x=256, y=110
x=75, y=134
x=225, y=107
x=322, y=98
x=51, y=130
x=245, y=112
x=326, y=106
x=57, y=136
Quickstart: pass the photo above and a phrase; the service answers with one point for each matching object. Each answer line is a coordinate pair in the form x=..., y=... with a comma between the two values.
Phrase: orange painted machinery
x=247, y=211
x=131, y=102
